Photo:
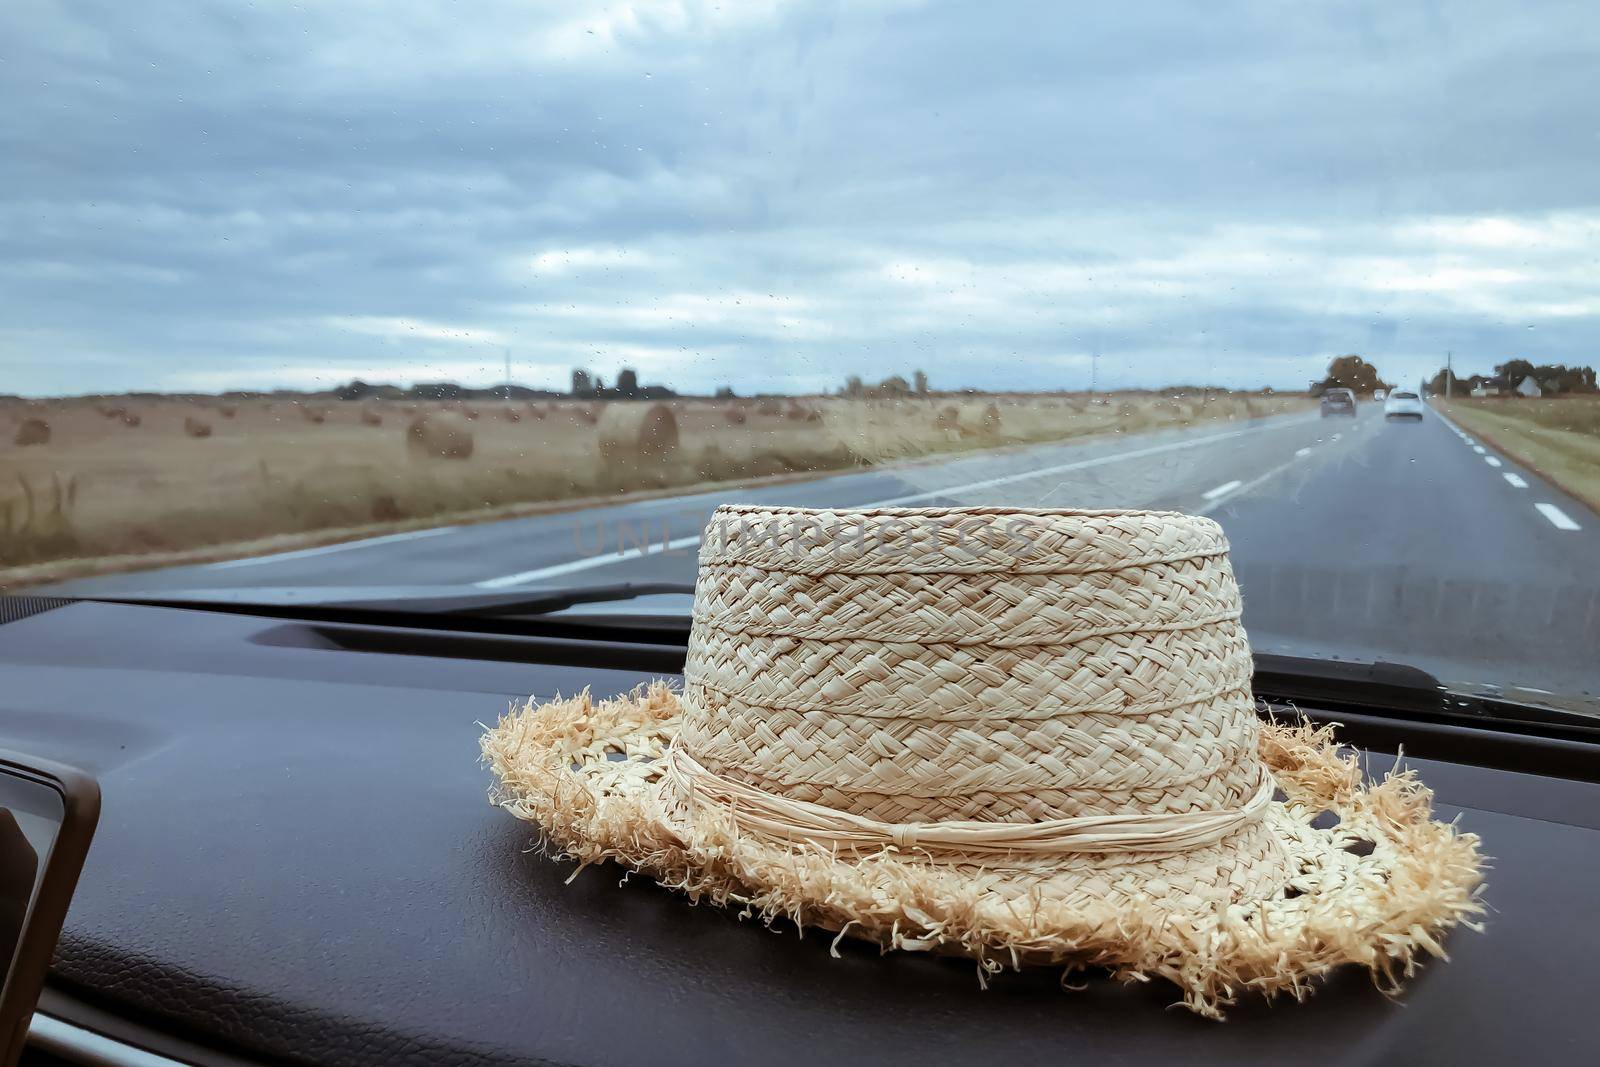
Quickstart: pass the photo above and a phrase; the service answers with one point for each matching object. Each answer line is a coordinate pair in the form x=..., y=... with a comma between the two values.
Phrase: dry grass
x=133, y=482
x=1558, y=437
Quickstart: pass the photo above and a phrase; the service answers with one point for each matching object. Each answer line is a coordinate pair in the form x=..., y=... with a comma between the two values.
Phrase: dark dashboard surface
x=296, y=863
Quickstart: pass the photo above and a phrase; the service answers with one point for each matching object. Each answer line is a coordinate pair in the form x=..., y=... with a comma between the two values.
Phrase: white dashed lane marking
x=1557, y=517
x=1479, y=449
x=1222, y=490
x=1516, y=482
x=1491, y=461
x=1302, y=451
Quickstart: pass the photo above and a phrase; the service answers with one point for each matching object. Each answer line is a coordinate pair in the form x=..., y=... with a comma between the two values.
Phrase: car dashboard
x=296, y=863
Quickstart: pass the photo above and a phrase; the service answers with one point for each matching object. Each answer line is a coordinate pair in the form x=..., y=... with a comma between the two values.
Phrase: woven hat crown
x=916, y=666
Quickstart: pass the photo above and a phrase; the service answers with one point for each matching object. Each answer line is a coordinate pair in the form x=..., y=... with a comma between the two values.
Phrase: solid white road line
x=323, y=550
x=1491, y=461
x=1516, y=482
x=1222, y=490
x=1557, y=517
x=1337, y=436
x=1302, y=452
x=622, y=556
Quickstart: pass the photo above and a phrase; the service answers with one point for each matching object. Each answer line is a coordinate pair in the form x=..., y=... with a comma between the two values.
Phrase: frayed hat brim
x=1378, y=886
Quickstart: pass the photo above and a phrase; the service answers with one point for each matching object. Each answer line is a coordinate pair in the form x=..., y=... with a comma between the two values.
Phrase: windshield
x=332, y=299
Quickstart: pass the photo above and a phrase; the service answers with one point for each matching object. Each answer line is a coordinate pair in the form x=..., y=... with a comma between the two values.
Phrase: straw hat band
x=931, y=678
x=953, y=540
x=780, y=818
x=966, y=608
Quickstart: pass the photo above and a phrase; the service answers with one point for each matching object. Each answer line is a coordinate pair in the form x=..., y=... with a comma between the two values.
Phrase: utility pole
x=1094, y=369
x=508, y=374
x=1448, y=374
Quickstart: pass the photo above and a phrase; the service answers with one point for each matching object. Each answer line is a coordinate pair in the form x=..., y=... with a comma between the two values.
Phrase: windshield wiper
x=420, y=600
x=513, y=611
x=515, y=602
x=1396, y=689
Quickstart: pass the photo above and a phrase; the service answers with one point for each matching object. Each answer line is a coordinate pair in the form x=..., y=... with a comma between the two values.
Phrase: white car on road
x=1402, y=404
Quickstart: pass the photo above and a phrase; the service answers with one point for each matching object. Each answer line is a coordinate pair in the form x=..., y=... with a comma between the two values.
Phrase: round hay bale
x=590, y=414
x=371, y=417
x=131, y=418
x=978, y=419
x=768, y=407
x=228, y=411
x=194, y=427
x=439, y=435
x=33, y=431
x=471, y=413
x=109, y=411
x=734, y=415
x=638, y=433
x=947, y=418
x=316, y=415
x=511, y=414
x=385, y=508
x=535, y=411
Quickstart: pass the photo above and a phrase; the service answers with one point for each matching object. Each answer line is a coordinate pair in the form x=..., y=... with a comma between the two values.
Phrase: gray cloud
x=777, y=195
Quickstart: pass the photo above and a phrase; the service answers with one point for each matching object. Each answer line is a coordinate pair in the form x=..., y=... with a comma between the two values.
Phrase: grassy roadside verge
x=1557, y=439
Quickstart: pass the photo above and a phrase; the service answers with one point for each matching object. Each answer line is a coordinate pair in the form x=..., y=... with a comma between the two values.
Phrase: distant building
x=1529, y=387
x=1480, y=390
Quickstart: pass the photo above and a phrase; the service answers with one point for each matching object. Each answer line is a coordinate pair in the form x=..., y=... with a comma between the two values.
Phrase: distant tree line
x=1550, y=377
x=1349, y=372
x=593, y=387
x=584, y=386
x=892, y=386
x=357, y=389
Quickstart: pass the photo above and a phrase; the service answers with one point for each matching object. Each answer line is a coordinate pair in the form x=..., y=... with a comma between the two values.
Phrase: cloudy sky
x=775, y=195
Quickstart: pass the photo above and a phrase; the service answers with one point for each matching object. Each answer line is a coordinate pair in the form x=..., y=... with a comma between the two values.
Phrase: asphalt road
x=1356, y=538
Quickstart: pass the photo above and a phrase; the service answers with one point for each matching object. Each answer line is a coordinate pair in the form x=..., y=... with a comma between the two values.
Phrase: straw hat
x=1022, y=736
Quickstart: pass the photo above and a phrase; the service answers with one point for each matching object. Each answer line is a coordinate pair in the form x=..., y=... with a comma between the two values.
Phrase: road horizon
x=1364, y=539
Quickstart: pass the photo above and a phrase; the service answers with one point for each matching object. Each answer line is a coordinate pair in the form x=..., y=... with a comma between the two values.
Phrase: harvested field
x=140, y=483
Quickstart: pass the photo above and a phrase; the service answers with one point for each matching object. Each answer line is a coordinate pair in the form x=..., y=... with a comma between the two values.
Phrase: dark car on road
x=1338, y=402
